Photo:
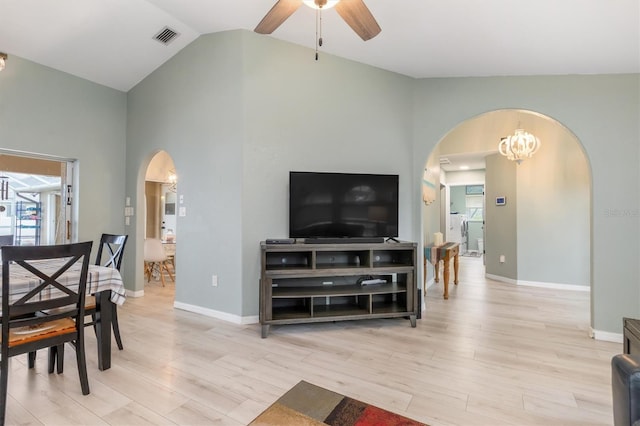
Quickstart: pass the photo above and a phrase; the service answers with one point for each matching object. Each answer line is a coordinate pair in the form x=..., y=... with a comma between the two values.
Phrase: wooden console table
x=444, y=253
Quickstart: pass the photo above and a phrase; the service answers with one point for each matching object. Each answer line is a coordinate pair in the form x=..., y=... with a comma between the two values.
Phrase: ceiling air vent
x=166, y=35
x=444, y=160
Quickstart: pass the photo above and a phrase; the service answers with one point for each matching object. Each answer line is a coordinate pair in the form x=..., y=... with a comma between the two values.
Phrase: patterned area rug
x=306, y=404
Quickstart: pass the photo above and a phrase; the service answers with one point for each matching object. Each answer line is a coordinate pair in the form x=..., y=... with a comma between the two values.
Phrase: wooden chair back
x=49, y=291
x=43, y=304
x=112, y=246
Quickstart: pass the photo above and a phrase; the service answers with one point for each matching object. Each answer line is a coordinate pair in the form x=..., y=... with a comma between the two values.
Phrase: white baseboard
x=554, y=286
x=606, y=336
x=131, y=293
x=501, y=279
x=430, y=283
x=236, y=319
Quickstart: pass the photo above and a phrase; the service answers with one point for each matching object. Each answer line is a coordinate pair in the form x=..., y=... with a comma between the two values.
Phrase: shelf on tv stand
x=345, y=240
x=306, y=282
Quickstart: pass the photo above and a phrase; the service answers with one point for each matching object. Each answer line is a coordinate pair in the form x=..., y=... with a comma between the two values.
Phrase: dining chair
x=154, y=255
x=24, y=329
x=110, y=254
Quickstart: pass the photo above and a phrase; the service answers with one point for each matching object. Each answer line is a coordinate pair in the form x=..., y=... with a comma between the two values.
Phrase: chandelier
x=519, y=146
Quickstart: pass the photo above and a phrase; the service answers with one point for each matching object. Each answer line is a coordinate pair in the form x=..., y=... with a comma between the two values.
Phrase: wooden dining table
x=104, y=282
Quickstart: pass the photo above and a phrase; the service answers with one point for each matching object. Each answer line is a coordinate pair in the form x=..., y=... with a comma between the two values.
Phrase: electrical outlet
x=214, y=280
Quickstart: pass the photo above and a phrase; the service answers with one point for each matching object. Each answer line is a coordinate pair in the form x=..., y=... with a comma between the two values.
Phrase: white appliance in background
x=458, y=231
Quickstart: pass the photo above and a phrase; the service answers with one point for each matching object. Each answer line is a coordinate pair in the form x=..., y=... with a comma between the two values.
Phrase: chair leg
x=166, y=268
x=147, y=271
x=60, y=358
x=161, y=273
x=82, y=366
x=4, y=376
x=56, y=359
x=115, y=326
x=53, y=353
x=32, y=359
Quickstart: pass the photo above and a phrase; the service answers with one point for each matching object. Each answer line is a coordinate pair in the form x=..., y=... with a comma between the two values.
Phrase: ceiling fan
x=354, y=12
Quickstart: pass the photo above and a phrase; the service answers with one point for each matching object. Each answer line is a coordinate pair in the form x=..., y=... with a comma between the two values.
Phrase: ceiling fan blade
x=277, y=15
x=357, y=15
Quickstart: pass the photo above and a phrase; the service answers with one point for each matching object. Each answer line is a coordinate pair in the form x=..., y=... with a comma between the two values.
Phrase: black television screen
x=336, y=205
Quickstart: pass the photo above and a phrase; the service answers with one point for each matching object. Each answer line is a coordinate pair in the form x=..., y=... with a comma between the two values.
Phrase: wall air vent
x=166, y=35
x=444, y=160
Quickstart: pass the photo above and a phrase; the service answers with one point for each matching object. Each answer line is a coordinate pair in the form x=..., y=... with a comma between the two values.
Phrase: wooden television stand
x=304, y=283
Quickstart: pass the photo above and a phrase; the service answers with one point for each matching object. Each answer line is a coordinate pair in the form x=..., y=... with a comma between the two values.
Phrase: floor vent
x=166, y=35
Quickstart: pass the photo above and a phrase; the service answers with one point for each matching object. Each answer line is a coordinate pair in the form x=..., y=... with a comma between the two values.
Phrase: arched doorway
x=542, y=235
x=160, y=215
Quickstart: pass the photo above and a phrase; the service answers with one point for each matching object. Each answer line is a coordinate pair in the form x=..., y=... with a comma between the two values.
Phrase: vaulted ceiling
x=111, y=42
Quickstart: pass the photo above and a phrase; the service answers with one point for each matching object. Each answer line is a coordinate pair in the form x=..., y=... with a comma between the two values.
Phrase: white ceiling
x=110, y=41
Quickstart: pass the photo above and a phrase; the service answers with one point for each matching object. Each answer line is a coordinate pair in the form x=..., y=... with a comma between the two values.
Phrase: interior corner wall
x=49, y=112
x=192, y=108
x=501, y=224
x=432, y=216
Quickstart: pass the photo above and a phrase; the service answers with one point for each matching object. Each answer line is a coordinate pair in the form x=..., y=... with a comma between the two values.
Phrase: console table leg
x=412, y=318
x=445, y=278
x=265, y=330
x=455, y=269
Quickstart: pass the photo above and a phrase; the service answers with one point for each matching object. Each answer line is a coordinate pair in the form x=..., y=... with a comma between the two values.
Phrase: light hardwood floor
x=493, y=354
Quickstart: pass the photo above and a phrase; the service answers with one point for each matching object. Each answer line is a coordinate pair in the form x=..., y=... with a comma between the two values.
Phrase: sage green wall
x=192, y=107
x=237, y=111
x=433, y=215
x=501, y=222
x=49, y=112
x=252, y=108
x=231, y=101
x=326, y=115
x=602, y=112
x=553, y=212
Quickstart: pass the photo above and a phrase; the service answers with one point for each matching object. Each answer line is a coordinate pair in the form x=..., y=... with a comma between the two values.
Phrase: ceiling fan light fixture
x=321, y=4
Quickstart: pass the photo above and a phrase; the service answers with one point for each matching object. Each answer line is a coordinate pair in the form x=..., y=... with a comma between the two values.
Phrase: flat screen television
x=342, y=205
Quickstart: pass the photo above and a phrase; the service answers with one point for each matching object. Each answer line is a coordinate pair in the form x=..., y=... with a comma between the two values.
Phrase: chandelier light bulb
x=519, y=146
x=3, y=57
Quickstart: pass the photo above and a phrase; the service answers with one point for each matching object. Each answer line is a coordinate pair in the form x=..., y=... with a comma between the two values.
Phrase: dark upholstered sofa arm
x=625, y=383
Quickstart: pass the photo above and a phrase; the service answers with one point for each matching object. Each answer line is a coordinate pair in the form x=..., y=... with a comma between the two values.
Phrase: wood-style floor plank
x=493, y=353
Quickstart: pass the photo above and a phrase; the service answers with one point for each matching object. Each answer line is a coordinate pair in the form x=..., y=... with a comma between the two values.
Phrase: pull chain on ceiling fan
x=354, y=12
x=318, y=29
